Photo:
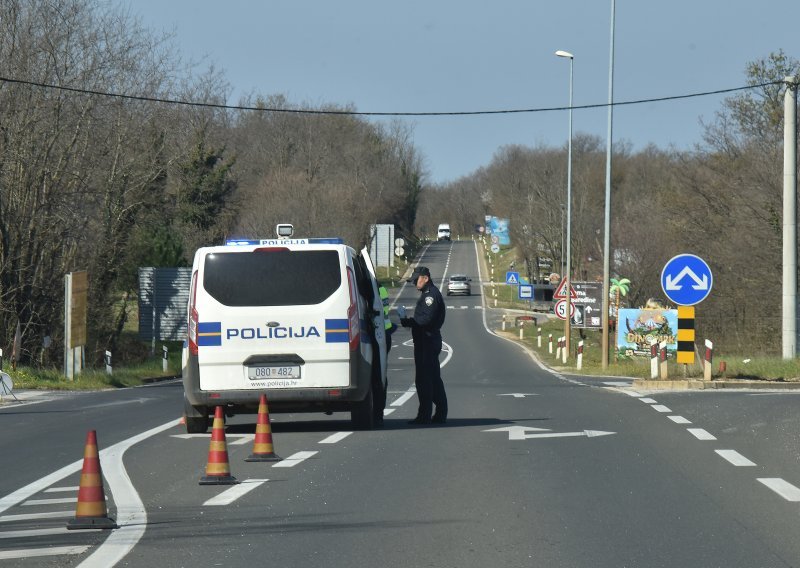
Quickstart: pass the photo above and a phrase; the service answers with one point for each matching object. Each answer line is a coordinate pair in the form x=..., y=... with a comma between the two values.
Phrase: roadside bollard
x=707, y=361
x=165, y=359
x=654, y=361
x=504, y=322
x=495, y=302
x=539, y=338
x=558, y=349
x=580, y=355
x=662, y=356
x=564, y=352
x=108, y=363
x=550, y=343
x=521, y=326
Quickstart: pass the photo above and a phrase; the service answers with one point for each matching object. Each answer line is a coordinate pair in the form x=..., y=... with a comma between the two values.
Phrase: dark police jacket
x=428, y=314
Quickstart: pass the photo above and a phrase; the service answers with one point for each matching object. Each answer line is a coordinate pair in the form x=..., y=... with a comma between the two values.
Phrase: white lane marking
x=388, y=411
x=735, y=458
x=35, y=516
x=518, y=394
x=648, y=400
x=60, y=489
x=122, y=540
x=131, y=514
x=404, y=397
x=617, y=383
x=295, y=459
x=245, y=439
x=40, y=532
x=449, y=351
x=679, y=420
x=660, y=408
x=700, y=434
x=338, y=437
x=230, y=495
x=31, y=552
x=633, y=393
x=782, y=488
x=49, y=501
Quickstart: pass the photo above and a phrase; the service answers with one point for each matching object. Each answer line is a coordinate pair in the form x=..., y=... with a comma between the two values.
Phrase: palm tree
x=618, y=288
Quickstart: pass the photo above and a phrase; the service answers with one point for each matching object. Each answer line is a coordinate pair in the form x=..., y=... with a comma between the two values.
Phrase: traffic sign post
x=686, y=279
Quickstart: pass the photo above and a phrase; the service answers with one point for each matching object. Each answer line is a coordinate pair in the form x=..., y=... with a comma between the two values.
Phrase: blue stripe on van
x=336, y=331
x=209, y=333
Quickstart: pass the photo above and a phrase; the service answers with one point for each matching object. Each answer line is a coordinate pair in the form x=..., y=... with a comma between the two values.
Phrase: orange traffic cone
x=218, y=470
x=263, y=450
x=91, y=512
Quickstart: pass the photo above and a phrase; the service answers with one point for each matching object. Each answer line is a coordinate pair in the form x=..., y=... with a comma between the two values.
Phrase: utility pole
x=789, y=342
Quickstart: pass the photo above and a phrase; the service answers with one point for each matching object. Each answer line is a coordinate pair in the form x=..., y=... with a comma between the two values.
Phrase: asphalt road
x=533, y=468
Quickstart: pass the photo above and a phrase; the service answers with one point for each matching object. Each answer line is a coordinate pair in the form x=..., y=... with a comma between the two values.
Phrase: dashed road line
x=782, y=488
x=648, y=400
x=30, y=502
x=31, y=552
x=700, y=434
x=735, y=458
x=230, y=495
x=333, y=438
x=404, y=397
x=27, y=533
x=660, y=408
x=295, y=459
x=35, y=516
x=679, y=420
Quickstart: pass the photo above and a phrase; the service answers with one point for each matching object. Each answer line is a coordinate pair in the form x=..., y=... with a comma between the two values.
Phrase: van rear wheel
x=361, y=416
x=196, y=418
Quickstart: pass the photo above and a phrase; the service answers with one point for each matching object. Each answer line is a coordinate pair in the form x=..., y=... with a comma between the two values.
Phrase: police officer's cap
x=419, y=271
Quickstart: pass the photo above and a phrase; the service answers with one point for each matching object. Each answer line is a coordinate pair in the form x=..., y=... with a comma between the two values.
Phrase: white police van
x=298, y=319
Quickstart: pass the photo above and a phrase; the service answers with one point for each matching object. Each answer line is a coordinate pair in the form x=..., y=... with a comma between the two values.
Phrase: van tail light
x=193, y=317
x=353, y=322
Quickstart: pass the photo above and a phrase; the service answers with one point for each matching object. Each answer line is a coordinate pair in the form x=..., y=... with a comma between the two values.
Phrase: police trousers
x=428, y=377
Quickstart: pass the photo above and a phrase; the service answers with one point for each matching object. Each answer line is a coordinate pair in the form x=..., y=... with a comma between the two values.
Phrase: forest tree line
x=107, y=184
x=722, y=201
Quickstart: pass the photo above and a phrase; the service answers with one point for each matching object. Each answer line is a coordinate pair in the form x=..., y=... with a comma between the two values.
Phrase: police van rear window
x=272, y=277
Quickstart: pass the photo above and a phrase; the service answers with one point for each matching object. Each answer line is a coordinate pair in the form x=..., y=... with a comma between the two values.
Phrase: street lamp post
x=568, y=282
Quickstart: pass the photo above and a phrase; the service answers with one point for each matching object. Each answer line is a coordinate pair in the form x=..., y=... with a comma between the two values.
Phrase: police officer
x=425, y=325
x=389, y=329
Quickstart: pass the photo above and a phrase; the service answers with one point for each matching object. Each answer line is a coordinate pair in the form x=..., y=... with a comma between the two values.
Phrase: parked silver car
x=459, y=284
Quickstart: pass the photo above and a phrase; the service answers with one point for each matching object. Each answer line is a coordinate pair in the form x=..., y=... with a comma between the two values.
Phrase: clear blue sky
x=468, y=55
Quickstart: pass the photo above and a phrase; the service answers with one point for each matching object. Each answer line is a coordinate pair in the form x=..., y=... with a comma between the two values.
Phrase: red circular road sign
x=561, y=309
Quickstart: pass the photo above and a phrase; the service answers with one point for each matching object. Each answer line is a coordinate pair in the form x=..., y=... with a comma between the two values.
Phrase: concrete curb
x=690, y=384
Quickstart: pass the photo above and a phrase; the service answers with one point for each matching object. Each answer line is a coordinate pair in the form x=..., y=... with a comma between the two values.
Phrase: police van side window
x=276, y=277
x=363, y=280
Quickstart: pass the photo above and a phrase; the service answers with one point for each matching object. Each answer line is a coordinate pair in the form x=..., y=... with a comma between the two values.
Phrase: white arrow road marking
x=518, y=394
x=519, y=433
x=587, y=433
x=672, y=283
